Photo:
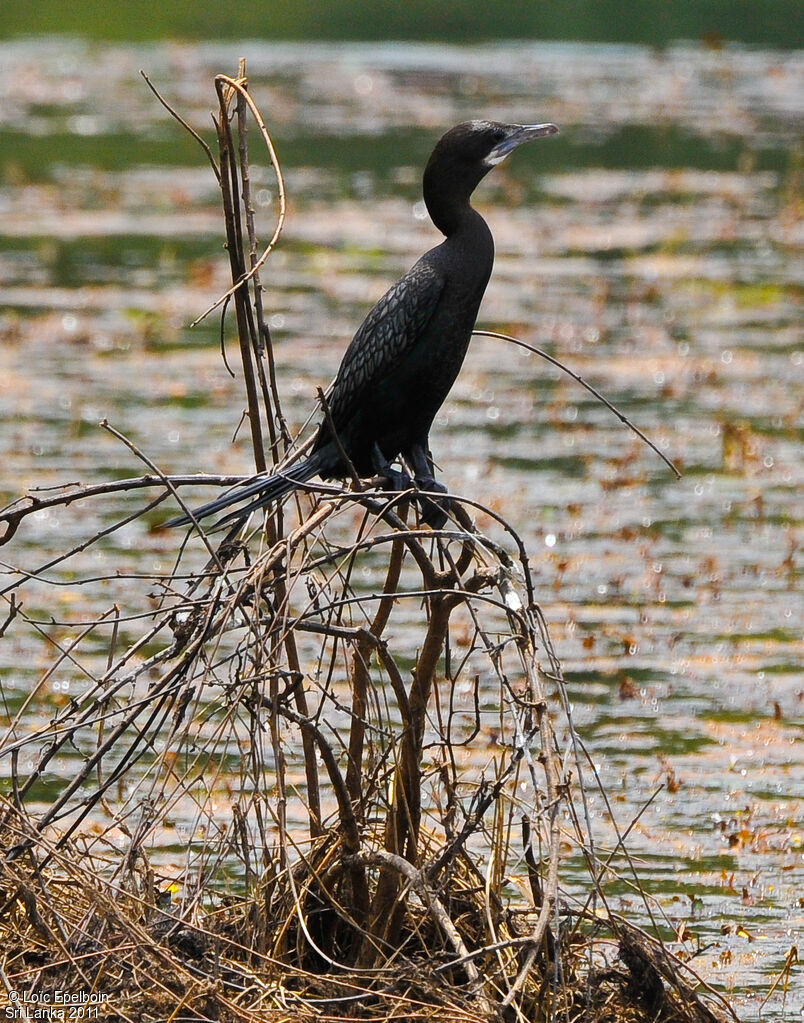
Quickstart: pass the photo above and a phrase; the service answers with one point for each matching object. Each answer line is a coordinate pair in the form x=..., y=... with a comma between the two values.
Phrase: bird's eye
x=499, y=134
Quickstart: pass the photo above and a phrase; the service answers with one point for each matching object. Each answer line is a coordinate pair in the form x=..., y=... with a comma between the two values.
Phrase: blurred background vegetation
x=759, y=22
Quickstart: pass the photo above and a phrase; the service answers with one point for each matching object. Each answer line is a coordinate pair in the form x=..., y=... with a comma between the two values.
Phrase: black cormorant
x=403, y=360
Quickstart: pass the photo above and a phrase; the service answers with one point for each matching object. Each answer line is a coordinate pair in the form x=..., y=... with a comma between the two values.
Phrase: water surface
x=655, y=246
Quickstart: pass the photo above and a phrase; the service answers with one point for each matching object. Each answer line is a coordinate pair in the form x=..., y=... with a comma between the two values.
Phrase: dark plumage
x=403, y=360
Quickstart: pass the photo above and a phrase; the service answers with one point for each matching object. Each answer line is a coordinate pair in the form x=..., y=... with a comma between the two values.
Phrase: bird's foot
x=434, y=511
x=397, y=480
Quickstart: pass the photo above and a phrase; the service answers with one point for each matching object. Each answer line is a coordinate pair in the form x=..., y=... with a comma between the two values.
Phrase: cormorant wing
x=388, y=332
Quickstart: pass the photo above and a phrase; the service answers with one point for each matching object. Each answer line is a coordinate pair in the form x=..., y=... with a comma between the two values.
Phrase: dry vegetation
x=328, y=761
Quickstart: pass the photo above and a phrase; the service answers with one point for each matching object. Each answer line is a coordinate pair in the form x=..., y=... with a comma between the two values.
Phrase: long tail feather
x=264, y=489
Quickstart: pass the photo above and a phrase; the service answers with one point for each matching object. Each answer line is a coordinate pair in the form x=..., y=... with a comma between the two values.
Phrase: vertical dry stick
x=360, y=681
x=262, y=340
x=441, y=607
x=403, y=818
x=234, y=244
x=258, y=336
x=279, y=760
x=248, y=347
x=360, y=676
x=555, y=796
x=300, y=699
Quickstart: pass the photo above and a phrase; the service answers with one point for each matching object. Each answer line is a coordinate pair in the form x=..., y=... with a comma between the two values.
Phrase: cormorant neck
x=447, y=196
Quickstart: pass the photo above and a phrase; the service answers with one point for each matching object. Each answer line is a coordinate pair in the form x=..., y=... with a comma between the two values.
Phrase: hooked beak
x=520, y=133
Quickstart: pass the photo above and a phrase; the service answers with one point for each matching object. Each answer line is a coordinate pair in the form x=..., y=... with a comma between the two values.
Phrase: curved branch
x=237, y=86
x=579, y=379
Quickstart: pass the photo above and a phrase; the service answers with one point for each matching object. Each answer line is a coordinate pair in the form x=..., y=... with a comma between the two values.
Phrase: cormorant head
x=466, y=153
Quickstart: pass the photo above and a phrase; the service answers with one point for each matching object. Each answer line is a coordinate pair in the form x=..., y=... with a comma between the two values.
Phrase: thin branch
x=592, y=390
x=188, y=127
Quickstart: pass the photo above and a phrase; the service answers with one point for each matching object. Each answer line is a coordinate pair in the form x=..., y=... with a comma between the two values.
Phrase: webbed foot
x=397, y=480
x=434, y=511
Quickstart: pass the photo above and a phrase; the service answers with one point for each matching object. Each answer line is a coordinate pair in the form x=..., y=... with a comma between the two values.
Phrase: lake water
x=655, y=247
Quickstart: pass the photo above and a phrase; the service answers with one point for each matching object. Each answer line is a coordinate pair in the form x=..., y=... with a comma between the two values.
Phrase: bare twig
x=592, y=390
